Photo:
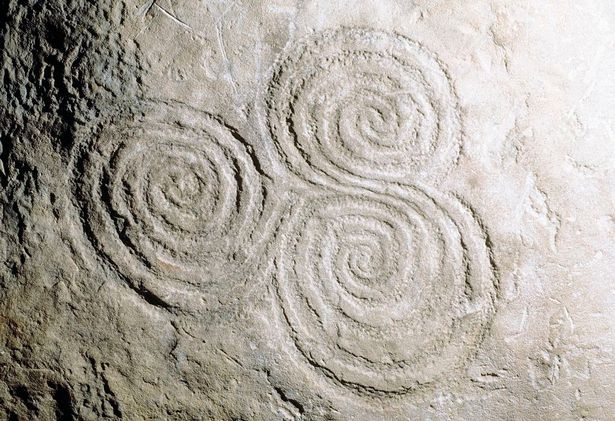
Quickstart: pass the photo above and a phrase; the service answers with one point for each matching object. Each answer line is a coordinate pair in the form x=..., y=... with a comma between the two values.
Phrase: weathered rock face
x=307, y=210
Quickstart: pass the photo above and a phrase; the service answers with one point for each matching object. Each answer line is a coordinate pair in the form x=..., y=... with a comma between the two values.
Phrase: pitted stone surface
x=307, y=210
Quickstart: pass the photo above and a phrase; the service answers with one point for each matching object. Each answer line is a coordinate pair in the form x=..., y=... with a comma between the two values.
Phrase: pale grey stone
x=307, y=210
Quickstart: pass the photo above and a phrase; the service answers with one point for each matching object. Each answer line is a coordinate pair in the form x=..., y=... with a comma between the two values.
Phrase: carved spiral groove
x=173, y=201
x=381, y=294
x=363, y=105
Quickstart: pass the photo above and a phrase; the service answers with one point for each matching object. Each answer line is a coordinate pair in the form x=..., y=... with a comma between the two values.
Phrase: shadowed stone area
x=307, y=210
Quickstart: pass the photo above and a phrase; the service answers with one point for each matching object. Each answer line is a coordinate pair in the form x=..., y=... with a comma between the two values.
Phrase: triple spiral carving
x=384, y=285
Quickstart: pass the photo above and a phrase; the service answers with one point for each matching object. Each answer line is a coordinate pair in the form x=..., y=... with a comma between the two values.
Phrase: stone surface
x=307, y=210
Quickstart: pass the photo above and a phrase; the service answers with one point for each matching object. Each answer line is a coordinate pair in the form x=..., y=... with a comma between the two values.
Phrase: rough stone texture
x=313, y=210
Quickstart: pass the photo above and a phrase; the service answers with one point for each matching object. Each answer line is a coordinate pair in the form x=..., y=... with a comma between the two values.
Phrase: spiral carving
x=173, y=201
x=362, y=105
x=384, y=294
